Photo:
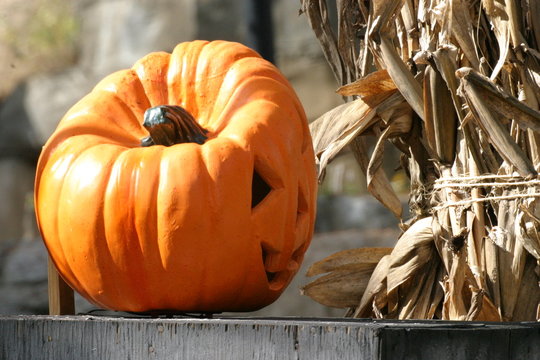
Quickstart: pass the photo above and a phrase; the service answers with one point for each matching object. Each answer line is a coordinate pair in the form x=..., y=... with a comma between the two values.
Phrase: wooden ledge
x=95, y=337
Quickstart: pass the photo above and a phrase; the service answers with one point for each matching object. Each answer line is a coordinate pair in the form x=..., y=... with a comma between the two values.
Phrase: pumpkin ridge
x=165, y=241
x=230, y=109
x=218, y=171
x=152, y=72
x=238, y=68
x=157, y=204
x=150, y=245
x=214, y=62
x=204, y=213
x=286, y=87
x=248, y=92
x=270, y=73
x=70, y=276
x=204, y=180
x=93, y=125
x=127, y=86
x=180, y=78
x=134, y=124
x=106, y=250
x=200, y=65
x=98, y=221
x=211, y=124
x=131, y=249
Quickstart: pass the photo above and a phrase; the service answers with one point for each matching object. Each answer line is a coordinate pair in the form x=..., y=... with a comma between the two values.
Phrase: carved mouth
x=276, y=279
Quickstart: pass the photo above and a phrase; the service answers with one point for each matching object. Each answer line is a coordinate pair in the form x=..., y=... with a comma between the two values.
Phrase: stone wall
x=111, y=35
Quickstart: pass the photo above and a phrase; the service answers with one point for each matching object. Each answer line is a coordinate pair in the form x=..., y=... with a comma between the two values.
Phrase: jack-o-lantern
x=186, y=183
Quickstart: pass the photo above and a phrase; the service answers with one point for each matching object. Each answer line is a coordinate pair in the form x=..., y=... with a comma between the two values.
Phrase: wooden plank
x=91, y=337
x=478, y=345
x=61, y=296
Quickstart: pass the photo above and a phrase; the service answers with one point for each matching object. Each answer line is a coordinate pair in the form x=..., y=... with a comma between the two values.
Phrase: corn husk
x=455, y=86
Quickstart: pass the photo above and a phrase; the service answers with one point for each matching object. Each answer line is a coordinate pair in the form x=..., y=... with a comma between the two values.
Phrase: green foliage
x=41, y=28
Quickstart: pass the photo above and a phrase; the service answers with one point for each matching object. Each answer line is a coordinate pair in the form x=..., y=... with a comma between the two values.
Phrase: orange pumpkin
x=214, y=215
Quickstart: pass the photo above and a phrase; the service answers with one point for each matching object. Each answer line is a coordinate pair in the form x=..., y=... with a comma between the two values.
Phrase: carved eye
x=259, y=189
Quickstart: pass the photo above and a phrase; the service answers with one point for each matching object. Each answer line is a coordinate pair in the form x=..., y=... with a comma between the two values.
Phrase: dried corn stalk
x=455, y=86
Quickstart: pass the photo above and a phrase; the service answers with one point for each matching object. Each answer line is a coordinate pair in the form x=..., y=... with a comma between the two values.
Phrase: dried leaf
x=376, y=159
x=372, y=89
x=514, y=24
x=317, y=14
x=477, y=90
x=482, y=309
x=374, y=297
x=534, y=25
x=510, y=280
x=526, y=229
x=445, y=59
x=377, y=182
x=476, y=221
x=383, y=12
x=491, y=270
x=454, y=301
x=495, y=8
x=343, y=287
x=473, y=83
x=368, y=255
x=346, y=10
x=413, y=250
x=402, y=77
x=440, y=118
x=529, y=293
x=378, y=185
x=409, y=262
x=462, y=31
x=423, y=296
x=442, y=14
x=337, y=128
x=496, y=12
x=498, y=235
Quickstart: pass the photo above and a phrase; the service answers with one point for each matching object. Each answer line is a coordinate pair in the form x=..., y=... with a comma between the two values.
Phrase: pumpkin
x=186, y=183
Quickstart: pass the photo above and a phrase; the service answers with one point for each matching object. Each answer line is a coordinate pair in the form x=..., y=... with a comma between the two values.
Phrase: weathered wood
x=61, y=297
x=90, y=337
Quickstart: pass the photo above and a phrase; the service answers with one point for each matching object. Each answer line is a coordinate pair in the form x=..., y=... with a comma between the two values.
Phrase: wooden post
x=61, y=297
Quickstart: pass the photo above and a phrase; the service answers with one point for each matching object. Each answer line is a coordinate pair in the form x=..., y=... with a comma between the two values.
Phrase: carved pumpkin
x=211, y=212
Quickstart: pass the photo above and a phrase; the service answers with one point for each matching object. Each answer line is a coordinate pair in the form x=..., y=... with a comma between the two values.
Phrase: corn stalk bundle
x=455, y=86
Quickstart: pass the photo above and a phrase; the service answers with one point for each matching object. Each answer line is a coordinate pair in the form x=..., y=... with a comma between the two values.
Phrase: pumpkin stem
x=169, y=125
